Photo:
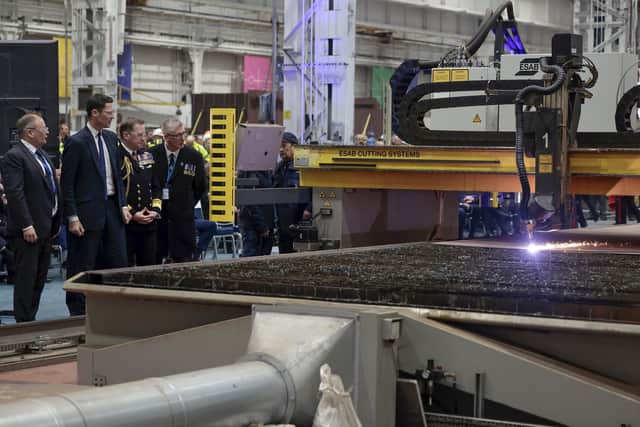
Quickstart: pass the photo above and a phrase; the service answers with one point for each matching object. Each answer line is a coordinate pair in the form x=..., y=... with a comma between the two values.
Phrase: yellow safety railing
x=222, y=164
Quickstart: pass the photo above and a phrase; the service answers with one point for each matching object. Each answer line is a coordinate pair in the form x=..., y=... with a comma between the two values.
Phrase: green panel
x=379, y=79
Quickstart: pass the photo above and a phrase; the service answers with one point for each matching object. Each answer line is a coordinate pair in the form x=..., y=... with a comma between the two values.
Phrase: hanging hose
x=474, y=44
x=406, y=72
x=520, y=99
x=478, y=39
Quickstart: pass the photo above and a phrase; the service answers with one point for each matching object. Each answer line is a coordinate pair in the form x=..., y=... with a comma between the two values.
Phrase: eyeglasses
x=174, y=135
x=139, y=134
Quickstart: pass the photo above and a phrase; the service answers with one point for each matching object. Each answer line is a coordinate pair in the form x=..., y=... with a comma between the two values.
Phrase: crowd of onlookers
x=478, y=218
x=370, y=139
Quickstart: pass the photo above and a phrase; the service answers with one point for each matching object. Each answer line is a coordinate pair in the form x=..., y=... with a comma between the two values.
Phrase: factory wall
x=222, y=72
x=165, y=75
x=362, y=81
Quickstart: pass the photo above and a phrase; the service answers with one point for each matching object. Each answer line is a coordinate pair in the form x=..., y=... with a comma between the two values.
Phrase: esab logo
x=529, y=67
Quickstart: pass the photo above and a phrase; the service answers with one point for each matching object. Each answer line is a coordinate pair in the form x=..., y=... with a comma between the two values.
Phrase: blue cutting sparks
x=534, y=248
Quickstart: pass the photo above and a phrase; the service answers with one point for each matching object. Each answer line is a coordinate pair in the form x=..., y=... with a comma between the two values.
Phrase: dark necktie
x=101, y=165
x=172, y=165
x=43, y=161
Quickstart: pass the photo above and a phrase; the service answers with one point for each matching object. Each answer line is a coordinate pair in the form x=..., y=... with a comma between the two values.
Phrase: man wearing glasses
x=34, y=206
x=179, y=171
x=95, y=206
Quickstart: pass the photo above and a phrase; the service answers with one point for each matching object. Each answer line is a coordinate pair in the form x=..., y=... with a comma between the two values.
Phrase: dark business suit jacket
x=29, y=197
x=81, y=181
x=186, y=187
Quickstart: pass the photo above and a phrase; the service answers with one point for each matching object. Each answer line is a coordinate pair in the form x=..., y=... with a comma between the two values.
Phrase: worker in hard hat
x=157, y=137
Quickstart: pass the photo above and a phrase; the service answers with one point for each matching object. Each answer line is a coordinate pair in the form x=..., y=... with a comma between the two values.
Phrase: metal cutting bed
x=589, y=285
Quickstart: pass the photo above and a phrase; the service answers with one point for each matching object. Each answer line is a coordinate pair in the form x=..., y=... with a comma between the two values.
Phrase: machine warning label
x=440, y=75
x=460, y=75
x=476, y=118
x=377, y=154
x=529, y=67
x=545, y=163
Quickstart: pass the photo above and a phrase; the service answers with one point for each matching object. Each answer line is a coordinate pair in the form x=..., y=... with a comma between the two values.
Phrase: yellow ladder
x=222, y=164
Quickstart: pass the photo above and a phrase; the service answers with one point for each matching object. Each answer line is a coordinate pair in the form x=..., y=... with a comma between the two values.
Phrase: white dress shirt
x=111, y=188
x=168, y=153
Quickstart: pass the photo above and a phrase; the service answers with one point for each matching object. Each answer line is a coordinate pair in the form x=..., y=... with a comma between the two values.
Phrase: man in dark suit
x=179, y=171
x=143, y=195
x=34, y=210
x=94, y=200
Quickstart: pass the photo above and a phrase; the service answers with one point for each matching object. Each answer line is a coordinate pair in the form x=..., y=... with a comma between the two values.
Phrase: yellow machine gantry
x=592, y=171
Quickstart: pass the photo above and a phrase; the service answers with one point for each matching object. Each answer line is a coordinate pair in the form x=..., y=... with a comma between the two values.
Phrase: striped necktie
x=45, y=164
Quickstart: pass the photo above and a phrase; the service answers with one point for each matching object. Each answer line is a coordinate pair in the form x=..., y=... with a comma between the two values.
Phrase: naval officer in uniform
x=143, y=196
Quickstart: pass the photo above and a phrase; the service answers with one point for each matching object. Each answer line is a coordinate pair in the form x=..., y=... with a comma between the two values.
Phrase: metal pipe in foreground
x=232, y=395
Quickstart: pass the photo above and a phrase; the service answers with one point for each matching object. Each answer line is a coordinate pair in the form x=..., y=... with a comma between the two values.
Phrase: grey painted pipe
x=228, y=396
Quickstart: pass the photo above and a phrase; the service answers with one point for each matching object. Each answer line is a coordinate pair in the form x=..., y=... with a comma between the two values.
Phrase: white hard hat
x=157, y=132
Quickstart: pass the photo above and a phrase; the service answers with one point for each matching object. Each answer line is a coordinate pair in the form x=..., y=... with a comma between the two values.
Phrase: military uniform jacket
x=140, y=189
x=186, y=186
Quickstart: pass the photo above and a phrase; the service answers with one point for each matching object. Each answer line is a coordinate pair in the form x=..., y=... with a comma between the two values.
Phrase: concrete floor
x=60, y=373
x=39, y=381
x=52, y=304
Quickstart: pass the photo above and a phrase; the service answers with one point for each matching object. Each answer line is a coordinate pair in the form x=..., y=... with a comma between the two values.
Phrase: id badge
x=165, y=194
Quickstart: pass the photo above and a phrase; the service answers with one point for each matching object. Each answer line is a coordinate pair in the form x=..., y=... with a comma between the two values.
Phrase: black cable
x=624, y=109
x=594, y=73
x=577, y=61
x=472, y=47
x=476, y=41
x=520, y=99
x=409, y=68
x=623, y=76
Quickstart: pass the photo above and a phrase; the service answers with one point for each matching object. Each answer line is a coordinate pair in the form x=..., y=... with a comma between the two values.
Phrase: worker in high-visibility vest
x=63, y=135
x=191, y=142
x=157, y=138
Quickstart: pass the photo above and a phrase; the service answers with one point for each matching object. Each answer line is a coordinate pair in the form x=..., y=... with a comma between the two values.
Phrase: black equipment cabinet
x=29, y=82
